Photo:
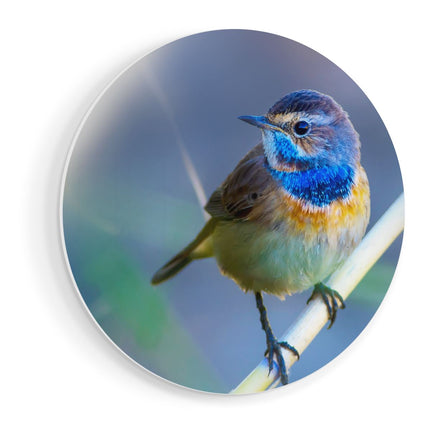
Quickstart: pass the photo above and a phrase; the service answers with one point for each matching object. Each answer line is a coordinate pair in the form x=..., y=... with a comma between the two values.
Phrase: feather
x=244, y=189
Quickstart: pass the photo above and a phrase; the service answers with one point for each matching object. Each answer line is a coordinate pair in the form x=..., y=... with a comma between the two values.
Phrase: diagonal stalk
x=344, y=280
x=186, y=158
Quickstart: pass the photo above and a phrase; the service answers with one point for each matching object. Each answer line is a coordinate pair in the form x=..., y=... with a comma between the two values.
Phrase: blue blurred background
x=129, y=204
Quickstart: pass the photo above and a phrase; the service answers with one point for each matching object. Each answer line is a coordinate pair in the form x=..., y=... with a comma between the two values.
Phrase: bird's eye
x=301, y=128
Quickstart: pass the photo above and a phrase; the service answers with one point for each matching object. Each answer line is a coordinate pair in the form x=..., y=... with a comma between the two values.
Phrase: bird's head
x=307, y=129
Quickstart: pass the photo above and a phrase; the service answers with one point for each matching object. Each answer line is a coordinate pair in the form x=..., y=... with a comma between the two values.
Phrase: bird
x=290, y=213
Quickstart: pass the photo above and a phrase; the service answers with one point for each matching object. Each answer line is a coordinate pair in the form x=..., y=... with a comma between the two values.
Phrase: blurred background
x=129, y=205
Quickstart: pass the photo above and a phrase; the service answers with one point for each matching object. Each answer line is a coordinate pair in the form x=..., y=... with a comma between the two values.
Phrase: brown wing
x=244, y=188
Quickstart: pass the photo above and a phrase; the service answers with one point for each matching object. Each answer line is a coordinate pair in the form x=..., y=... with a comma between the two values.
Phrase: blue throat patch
x=318, y=186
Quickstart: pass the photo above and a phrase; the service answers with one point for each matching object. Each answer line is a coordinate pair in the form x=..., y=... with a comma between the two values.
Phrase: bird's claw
x=273, y=346
x=331, y=298
x=274, y=350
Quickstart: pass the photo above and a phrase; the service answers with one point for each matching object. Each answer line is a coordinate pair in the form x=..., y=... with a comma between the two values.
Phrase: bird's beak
x=258, y=121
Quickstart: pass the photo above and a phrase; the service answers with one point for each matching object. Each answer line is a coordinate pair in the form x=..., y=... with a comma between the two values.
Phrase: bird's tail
x=200, y=247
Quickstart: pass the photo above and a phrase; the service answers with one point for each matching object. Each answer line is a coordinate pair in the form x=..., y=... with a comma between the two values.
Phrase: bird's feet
x=274, y=351
x=273, y=345
x=331, y=298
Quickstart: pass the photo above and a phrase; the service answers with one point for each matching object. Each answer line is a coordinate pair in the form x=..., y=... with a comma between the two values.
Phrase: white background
x=57, y=369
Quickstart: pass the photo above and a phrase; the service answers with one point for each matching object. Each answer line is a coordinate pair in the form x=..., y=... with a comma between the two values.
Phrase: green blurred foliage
x=372, y=288
x=136, y=316
x=140, y=308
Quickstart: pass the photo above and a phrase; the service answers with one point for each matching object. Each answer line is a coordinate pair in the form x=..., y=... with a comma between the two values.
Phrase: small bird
x=292, y=210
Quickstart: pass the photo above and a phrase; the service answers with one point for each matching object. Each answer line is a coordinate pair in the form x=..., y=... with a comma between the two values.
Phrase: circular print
x=216, y=177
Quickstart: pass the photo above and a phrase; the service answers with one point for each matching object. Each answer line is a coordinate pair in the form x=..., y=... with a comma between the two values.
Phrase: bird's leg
x=273, y=345
x=330, y=298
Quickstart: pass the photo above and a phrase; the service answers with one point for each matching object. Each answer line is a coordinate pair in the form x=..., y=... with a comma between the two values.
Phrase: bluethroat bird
x=291, y=211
